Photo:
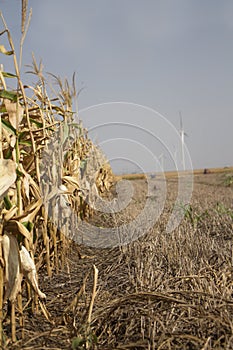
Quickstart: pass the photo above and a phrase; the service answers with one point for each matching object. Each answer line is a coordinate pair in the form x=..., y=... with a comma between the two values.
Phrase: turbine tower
x=182, y=135
x=175, y=155
x=161, y=161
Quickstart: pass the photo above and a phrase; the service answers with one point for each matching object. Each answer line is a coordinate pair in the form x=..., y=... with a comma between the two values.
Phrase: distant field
x=169, y=174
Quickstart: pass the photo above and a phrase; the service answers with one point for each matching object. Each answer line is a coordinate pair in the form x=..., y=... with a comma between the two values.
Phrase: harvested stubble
x=164, y=291
x=28, y=124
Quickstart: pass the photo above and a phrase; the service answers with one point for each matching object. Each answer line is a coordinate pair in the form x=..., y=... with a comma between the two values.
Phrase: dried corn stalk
x=73, y=174
x=28, y=270
x=7, y=175
x=17, y=263
x=12, y=275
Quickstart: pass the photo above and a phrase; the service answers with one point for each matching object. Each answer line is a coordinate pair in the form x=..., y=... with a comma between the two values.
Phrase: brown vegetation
x=45, y=156
x=164, y=291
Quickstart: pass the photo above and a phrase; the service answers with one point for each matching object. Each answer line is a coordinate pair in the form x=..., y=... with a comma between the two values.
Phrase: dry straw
x=29, y=228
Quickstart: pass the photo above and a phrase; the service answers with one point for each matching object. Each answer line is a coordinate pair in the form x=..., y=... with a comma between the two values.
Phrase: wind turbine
x=182, y=135
x=175, y=155
x=161, y=161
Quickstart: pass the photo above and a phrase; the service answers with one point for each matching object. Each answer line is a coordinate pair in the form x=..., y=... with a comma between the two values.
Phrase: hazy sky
x=167, y=55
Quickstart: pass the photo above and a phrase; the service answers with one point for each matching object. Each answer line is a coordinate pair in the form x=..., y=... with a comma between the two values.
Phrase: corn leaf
x=25, y=143
x=4, y=51
x=2, y=109
x=29, y=225
x=8, y=127
x=65, y=132
x=7, y=175
x=10, y=213
x=30, y=212
x=39, y=124
x=17, y=227
x=10, y=95
x=9, y=75
x=15, y=112
x=7, y=203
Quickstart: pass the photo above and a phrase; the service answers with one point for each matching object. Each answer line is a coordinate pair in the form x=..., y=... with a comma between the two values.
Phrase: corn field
x=46, y=157
x=161, y=291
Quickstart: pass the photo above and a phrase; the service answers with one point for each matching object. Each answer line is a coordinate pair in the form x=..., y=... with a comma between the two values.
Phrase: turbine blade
x=181, y=121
